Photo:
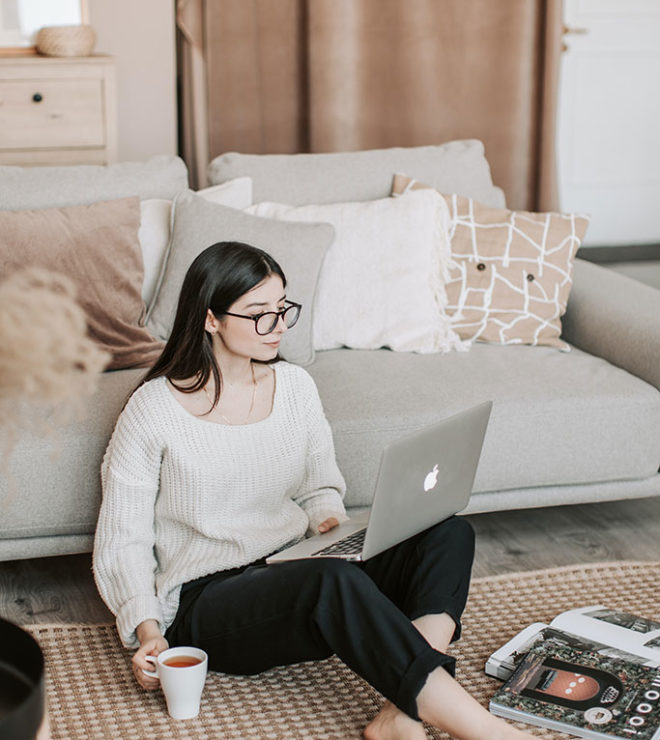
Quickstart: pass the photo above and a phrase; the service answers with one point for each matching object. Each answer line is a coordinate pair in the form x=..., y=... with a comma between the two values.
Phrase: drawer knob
x=37, y=97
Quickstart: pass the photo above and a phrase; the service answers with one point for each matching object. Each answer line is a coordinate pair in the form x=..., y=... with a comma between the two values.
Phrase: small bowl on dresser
x=66, y=41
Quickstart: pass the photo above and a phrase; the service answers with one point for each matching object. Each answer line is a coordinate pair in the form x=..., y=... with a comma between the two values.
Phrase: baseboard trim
x=624, y=253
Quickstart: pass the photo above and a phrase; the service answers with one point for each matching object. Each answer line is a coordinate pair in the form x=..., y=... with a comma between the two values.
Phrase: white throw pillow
x=155, y=225
x=153, y=235
x=382, y=281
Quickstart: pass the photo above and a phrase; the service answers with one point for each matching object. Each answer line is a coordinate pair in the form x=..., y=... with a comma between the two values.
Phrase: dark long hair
x=217, y=278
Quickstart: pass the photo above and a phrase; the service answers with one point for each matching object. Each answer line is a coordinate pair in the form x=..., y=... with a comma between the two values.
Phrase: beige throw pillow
x=97, y=247
x=511, y=271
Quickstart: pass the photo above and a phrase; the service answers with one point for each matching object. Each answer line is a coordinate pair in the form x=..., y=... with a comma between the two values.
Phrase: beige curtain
x=340, y=75
x=192, y=89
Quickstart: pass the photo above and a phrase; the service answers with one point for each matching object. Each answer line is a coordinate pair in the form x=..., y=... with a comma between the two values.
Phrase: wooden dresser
x=57, y=110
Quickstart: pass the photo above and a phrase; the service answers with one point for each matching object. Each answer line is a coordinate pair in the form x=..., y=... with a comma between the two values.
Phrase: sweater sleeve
x=322, y=490
x=124, y=562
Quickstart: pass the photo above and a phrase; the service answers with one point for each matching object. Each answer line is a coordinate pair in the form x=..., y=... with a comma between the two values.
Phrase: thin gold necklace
x=254, y=395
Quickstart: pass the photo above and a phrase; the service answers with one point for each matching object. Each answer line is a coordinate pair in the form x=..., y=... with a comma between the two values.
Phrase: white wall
x=140, y=34
x=607, y=141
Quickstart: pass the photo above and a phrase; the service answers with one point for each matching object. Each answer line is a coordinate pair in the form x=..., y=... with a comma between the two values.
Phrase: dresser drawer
x=46, y=113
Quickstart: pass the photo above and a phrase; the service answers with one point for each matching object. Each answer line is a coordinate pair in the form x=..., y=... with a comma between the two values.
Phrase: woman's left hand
x=328, y=524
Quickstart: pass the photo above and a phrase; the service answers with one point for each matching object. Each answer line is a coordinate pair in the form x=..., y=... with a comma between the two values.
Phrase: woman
x=223, y=456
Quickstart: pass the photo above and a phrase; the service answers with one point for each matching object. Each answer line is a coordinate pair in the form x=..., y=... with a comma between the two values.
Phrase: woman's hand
x=328, y=524
x=151, y=643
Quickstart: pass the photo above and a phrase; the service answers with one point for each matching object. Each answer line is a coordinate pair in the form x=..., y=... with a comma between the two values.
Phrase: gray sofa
x=581, y=426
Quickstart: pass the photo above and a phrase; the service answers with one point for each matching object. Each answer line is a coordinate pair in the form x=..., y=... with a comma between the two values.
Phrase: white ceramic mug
x=182, y=686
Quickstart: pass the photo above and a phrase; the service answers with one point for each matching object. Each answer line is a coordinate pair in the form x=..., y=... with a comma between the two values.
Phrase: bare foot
x=392, y=724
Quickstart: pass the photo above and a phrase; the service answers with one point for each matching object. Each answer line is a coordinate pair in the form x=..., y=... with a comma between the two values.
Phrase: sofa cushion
x=558, y=419
x=97, y=247
x=52, y=484
x=49, y=187
x=298, y=248
x=302, y=179
x=382, y=282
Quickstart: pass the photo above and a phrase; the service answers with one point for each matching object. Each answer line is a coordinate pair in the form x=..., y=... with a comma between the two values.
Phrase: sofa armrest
x=615, y=317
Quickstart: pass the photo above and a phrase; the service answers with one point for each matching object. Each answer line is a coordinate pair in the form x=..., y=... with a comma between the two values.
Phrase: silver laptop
x=423, y=479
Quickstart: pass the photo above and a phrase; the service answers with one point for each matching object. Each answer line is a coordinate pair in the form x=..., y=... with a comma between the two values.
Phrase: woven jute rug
x=92, y=693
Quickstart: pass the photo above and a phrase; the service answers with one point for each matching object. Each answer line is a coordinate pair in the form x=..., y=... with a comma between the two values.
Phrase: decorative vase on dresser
x=56, y=110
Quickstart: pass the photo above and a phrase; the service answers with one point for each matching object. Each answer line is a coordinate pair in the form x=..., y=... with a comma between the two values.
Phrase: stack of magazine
x=592, y=672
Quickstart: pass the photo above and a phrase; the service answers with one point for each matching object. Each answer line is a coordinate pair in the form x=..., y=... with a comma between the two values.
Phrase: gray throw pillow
x=298, y=247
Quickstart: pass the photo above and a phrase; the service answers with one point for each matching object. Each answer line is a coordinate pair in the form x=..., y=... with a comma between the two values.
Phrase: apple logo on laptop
x=431, y=479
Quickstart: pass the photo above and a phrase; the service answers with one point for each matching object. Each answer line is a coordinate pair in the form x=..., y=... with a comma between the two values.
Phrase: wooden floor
x=62, y=589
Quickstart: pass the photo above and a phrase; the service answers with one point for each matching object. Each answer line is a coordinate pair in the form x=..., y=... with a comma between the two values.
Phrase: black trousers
x=259, y=616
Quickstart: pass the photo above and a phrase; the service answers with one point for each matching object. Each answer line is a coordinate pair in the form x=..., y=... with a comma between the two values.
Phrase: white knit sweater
x=184, y=497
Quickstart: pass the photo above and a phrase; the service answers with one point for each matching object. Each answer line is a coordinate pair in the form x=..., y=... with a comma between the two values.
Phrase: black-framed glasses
x=265, y=323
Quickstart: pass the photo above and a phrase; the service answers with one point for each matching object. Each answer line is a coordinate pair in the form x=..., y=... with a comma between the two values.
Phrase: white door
x=609, y=119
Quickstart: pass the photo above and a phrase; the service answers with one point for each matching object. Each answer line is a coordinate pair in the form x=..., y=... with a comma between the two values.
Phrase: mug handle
x=151, y=659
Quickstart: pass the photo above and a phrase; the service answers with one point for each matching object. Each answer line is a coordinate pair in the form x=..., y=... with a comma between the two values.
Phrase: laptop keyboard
x=351, y=545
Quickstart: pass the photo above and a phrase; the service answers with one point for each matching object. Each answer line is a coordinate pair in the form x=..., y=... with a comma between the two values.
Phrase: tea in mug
x=182, y=661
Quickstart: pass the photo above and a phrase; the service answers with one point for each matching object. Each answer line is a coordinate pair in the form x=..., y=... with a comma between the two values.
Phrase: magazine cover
x=595, y=628
x=584, y=694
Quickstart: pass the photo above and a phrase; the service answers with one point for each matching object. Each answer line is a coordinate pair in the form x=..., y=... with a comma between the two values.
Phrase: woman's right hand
x=151, y=643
